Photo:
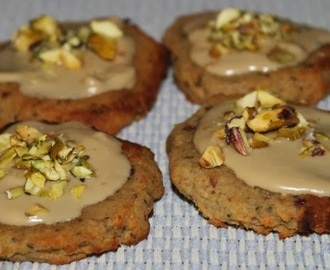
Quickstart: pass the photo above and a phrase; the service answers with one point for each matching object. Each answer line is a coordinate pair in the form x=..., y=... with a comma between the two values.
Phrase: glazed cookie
x=255, y=162
x=68, y=192
x=235, y=51
x=105, y=73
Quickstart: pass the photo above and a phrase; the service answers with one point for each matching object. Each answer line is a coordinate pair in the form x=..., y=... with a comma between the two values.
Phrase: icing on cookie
x=111, y=167
x=283, y=165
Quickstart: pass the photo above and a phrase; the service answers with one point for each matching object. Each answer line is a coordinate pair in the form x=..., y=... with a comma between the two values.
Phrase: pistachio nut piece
x=77, y=191
x=36, y=209
x=24, y=39
x=106, y=28
x=225, y=16
x=259, y=140
x=27, y=133
x=272, y=119
x=212, y=157
x=46, y=25
x=57, y=190
x=104, y=47
x=46, y=159
x=15, y=192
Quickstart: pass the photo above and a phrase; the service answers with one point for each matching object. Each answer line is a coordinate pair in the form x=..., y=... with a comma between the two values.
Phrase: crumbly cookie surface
x=224, y=199
x=121, y=219
x=307, y=82
x=108, y=112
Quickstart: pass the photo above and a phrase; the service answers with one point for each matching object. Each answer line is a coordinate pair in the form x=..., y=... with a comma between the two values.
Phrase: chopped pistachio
x=103, y=46
x=60, y=170
x=322, y=136
x=81, y=172
x=15, y=192
x=42, y=148
x=70, y=60
x=259, y=141
x=249, y=113
x=31, y=188
x=24, y=39
x=248, y=101
x=57, y=189
x=226, y=16
x=312, y=148
x=22, y=164
x=234, y=29
x=259, y=98
x=259, y=118
x=48, y=26
x=106, y=28
x=268, y=99
x=292, y=133
x=217, y=51
x=57, y=147
x=20, y=150
x=46, y=167
x=36, y=209
x=51, y=45
x=220, y=133
x=46, y=159
x=77, y=191
x=74, y=42
x=4, y=141
x=51, y=57
x=7, y=157
x=66, y=154
x=27, y=133
x=61, y=56
x=303, y=123
x=84, y=162
x=236, y=122
x=83, y=34
x=36, y=178
x=272, y=119
x=212, y=157
x=15, y=140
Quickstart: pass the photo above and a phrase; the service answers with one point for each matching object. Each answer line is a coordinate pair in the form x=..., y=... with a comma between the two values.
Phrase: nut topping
x=212, y=157
x=258, y=119
x=49, y=163
x=237, y=138
x=35, y=209
x=102, y=46
x=234, y=29
x=49, y=43
x=273, y=119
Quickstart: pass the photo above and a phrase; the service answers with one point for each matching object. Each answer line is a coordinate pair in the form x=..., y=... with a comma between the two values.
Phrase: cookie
x=229, y=53
x=105, y=82
x=272, y=180
x=125, y=169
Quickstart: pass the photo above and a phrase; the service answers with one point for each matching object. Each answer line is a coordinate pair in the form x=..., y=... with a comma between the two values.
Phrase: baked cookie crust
x=121, y=219
x=108, y=112
x=223, y=199
x=306, y=83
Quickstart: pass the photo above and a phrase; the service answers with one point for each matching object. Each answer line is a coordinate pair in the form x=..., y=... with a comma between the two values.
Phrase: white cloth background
x=180, y=238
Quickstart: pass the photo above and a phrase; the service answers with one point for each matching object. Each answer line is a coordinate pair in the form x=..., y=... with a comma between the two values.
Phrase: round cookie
x=109, y=111
x=120, y=219
x=306, y=82
x=225, y=199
